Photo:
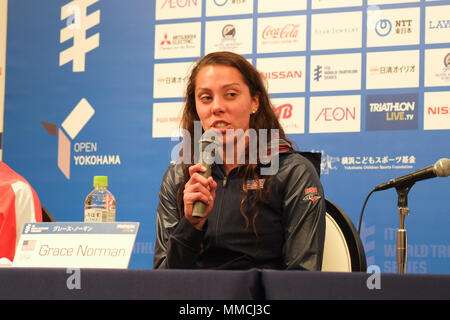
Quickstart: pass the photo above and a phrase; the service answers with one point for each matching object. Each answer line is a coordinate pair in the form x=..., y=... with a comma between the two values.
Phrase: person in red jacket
x=19, y=204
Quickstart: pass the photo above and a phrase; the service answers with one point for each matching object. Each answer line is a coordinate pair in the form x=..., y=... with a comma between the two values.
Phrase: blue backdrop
x=386, y=123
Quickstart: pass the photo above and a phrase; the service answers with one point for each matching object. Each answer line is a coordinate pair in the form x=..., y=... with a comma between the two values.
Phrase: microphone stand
x=402, y=242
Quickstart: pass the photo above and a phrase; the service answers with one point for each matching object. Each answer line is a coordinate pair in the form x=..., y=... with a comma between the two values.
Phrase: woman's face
x=222, y=100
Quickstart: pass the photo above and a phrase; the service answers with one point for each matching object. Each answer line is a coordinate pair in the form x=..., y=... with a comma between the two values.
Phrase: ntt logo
x=220, y=3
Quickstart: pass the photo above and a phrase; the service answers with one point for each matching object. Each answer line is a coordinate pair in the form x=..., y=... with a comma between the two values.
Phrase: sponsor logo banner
x=392, y=112
x=177, y=40
x=166, y=119
x=336, y=30
x=228, y=7
x=437, y=67
x=324, y=4
x=280, y=5
x=378, y=162
x=393, y=27
x=291, y=113
x=282, y=35
x=283, y=74
x=85, y=153
x=335, y=72
x=436, y=111
x=335, y=114
x=174, y=9
x=332, y=163
x=371, y=2
x=392, y=69
x=229, y=35
x=170, y=79
x=437, y=24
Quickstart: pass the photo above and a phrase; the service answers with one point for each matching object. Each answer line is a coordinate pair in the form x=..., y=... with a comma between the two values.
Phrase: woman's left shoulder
x=300, y=160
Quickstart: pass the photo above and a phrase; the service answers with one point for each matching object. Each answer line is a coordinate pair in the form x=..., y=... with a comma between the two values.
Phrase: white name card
x=76, y=244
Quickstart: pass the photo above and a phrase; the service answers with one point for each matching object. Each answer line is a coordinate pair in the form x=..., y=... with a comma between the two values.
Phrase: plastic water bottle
x=100, y=204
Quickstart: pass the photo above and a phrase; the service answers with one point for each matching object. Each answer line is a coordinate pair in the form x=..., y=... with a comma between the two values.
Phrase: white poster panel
x=393, y=27
x=372, y=2
x=166, y=119
x=437, y=67
x=291, y=113
x=325, y=4
x=335, y=72
x=177, y=40
x=173, y=9
x=170, y=79
x=228, y=7
x=285, y=74
x=281, y=5
x=229, y=35
x=282, y=35
x=437, y=24
x=335, y=114
x=336, y=30
x=436, y=111
x=392, y=69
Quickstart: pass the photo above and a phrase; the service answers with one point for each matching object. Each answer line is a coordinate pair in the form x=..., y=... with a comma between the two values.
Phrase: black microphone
x=440, y=169
x=207, y=145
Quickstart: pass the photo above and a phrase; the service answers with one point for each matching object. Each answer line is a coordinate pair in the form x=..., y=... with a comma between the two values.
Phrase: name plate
x=76, y=244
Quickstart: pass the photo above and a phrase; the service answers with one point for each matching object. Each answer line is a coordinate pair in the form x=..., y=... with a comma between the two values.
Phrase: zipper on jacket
x=224, y=185
x=219, y=212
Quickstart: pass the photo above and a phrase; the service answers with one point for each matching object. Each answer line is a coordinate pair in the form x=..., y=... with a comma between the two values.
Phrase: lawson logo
x=392, y=112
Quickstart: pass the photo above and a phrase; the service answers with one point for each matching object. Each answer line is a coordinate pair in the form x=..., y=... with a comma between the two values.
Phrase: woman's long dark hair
x=264, y=118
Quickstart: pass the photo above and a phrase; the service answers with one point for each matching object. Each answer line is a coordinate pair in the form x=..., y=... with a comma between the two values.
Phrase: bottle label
x=99, y=215
x=110, y=203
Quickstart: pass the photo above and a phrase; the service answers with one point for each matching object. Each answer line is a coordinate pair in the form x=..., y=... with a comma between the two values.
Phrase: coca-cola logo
x=284, y=111
x=287, y=31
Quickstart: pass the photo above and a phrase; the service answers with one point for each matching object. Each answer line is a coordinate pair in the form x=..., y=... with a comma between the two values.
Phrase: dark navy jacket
x=290, y=228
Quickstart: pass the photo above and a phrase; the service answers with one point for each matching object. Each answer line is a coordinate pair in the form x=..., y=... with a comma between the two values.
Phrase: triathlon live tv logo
x=72, y=125
x=78, y=22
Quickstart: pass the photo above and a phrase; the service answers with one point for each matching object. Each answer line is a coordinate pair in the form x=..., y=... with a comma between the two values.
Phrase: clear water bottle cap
x=101, y=181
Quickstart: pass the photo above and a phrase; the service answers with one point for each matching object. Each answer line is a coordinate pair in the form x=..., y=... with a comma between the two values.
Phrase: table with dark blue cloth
x=294, y=285
x=51, y=283
x=55, y=283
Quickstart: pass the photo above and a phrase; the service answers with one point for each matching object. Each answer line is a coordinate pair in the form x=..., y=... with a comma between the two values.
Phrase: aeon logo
x=172, y=4
x=336, y=114
x=383, y=27
x=289, y=30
